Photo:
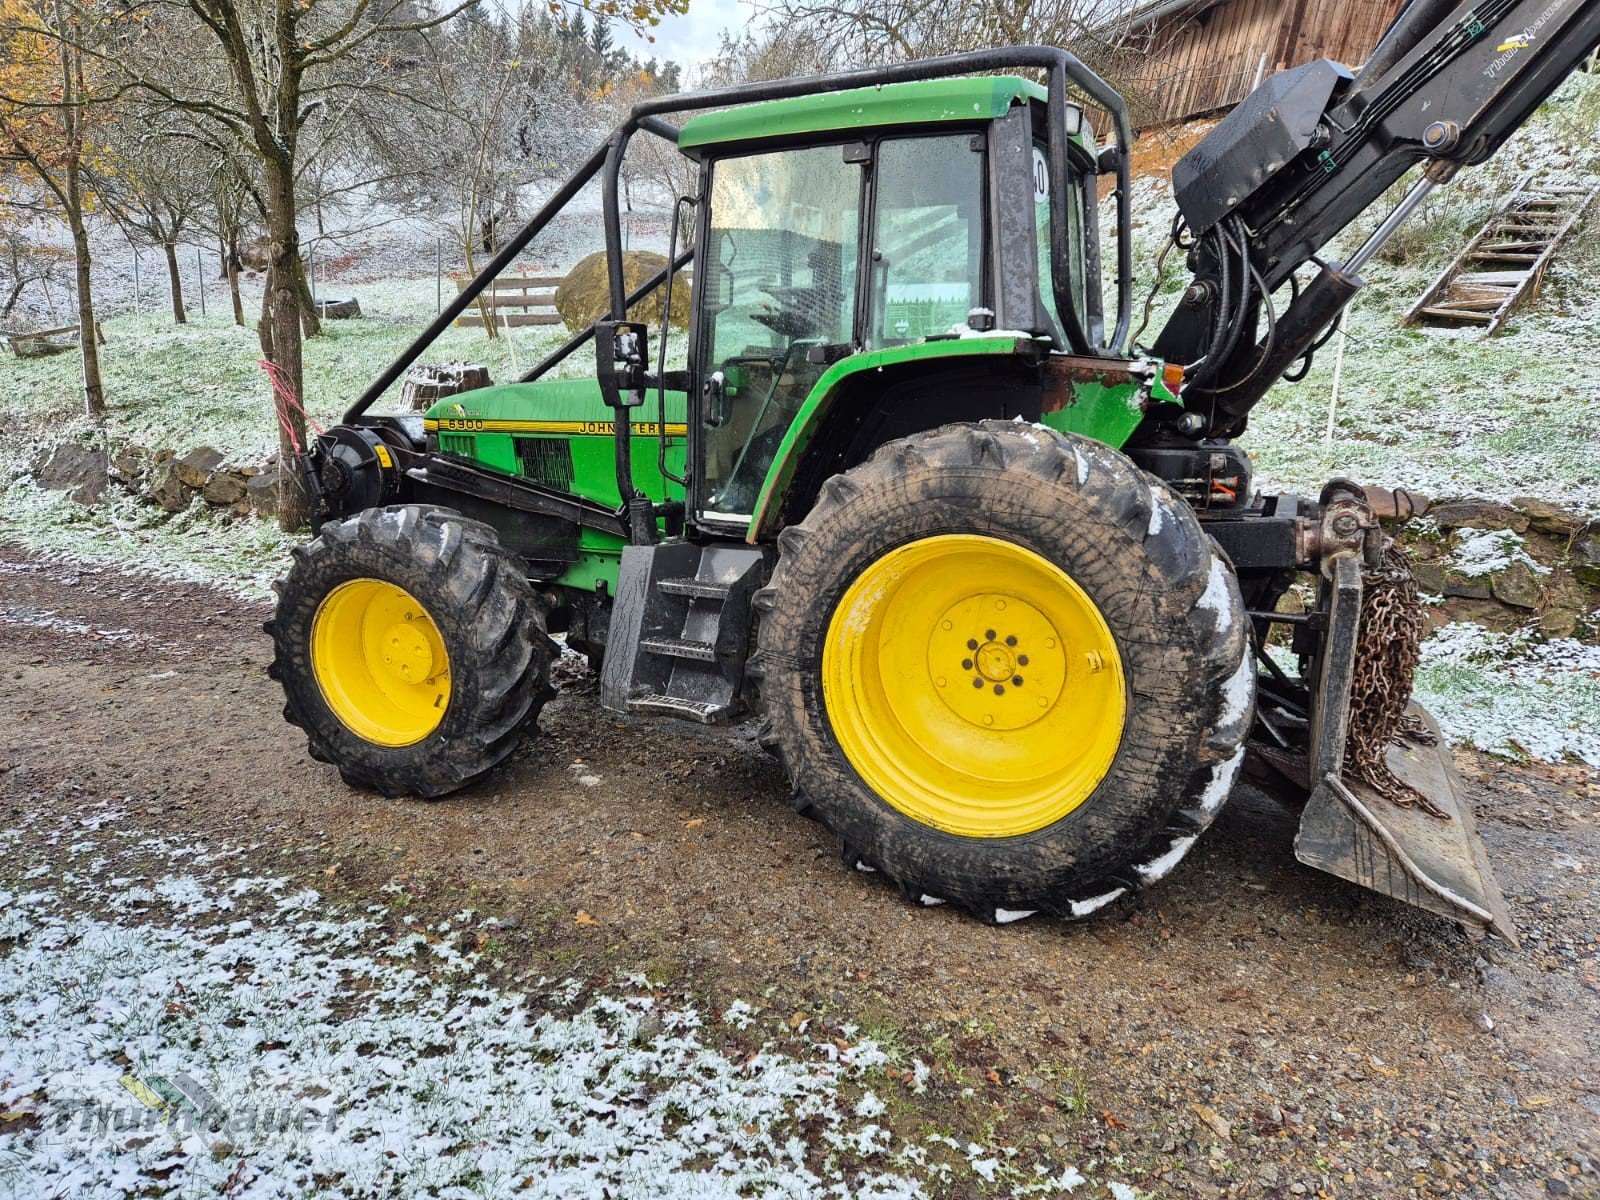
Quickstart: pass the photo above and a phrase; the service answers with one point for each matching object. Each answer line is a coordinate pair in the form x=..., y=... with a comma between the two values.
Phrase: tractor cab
x=861, y=221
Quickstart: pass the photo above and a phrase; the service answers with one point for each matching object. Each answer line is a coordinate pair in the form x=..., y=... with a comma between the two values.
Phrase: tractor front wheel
x=411, y=648
x=1007, y=668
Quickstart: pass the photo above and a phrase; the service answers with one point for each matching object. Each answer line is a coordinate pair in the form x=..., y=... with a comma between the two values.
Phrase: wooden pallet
x=45, y=341
x=515, y=300
x=1505, y=263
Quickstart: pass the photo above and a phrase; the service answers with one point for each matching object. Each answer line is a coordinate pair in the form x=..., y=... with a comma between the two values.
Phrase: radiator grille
x=547, y=461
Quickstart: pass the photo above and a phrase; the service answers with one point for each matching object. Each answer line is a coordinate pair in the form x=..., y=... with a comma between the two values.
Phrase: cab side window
x=927, y=249
x=1075, y=232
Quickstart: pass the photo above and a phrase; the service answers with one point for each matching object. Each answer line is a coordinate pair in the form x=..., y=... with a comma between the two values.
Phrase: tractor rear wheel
x=1007, y=668
x=411, y=648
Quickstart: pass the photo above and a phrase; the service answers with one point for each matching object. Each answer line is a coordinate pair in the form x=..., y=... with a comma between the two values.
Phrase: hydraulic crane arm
x=1311, y=149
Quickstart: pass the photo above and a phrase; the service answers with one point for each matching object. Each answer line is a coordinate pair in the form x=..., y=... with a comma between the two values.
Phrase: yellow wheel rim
x=380, y=662
x=974, y=686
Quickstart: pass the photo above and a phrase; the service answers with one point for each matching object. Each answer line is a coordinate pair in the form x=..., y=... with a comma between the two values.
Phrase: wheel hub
x=407, y=656
x=997, y=661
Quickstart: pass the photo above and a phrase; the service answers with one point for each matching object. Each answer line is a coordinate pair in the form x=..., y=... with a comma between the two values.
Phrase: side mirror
x=621, y=350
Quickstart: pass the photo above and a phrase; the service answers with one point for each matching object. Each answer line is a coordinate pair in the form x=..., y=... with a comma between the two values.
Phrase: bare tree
x=846, y=33
x=282, y=62
x=499, y=112
x=225, y=218
x=154, y=179
x=49, y=105
x=286, y=65
x=24, y=261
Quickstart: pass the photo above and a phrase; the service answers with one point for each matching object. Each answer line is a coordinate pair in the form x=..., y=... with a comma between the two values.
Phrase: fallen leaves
x=585, y=918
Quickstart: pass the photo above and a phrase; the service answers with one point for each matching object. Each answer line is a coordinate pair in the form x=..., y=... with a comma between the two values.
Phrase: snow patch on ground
x=1512, y=695
x=174, y=1029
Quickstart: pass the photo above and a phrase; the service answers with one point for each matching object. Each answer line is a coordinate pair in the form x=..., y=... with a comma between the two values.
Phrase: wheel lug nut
x=1016, y=681
x=988, y=635
x=1011, y=640
x=966, y=664
x=972, y=643
x=1022, y=660
x=978, y=682
x=999, y=689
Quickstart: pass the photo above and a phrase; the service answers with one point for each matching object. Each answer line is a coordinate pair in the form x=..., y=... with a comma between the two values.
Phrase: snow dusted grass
x=240, y=555
x=1510, y=695
x=307, y=1050
x=181, y=386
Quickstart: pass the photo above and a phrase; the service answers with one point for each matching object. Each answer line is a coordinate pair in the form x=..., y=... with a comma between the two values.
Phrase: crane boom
x=1313, y=148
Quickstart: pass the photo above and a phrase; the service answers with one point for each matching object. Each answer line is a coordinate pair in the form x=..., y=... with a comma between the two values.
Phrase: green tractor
x=993, y=580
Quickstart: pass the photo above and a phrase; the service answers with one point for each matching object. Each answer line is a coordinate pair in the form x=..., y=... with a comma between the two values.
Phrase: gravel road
x=1250, y=1028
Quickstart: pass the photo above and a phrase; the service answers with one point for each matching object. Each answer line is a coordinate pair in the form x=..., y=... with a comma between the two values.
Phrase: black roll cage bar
x=1061, y=67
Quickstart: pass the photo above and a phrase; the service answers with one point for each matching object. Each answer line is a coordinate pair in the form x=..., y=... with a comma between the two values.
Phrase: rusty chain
x=1388, y=651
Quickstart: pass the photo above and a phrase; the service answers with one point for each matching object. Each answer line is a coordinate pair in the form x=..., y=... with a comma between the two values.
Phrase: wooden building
x=1189, y=58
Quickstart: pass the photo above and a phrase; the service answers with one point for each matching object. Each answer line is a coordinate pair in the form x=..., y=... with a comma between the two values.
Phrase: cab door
x=777, y=303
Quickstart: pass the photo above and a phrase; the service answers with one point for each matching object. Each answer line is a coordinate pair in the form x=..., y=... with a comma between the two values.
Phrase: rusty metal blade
x=1350, y=831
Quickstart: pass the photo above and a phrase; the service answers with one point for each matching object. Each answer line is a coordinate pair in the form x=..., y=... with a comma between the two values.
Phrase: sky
x=693, y=37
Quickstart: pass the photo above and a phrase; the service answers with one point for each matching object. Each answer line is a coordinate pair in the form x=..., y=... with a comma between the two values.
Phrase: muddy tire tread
x=1200, y=603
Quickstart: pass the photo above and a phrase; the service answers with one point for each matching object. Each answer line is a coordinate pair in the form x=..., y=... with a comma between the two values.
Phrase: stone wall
x=164, y=478
x=1506, y=565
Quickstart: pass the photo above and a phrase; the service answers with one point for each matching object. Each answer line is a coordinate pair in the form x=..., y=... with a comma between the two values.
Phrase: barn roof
x=1159, y=10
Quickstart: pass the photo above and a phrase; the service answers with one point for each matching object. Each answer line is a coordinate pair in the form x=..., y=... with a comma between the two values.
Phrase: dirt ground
x=1249, y=1028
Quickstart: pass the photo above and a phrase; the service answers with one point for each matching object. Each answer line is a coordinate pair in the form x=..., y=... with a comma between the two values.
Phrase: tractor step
x=698, y=589
x=680, y=630
x=673, y=647
x=653, y=704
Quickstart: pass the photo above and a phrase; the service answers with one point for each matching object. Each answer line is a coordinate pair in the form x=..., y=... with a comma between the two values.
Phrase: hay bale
x=585, y=294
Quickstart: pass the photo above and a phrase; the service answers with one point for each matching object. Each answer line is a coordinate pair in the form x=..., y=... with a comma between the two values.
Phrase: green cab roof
x=964, y=98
